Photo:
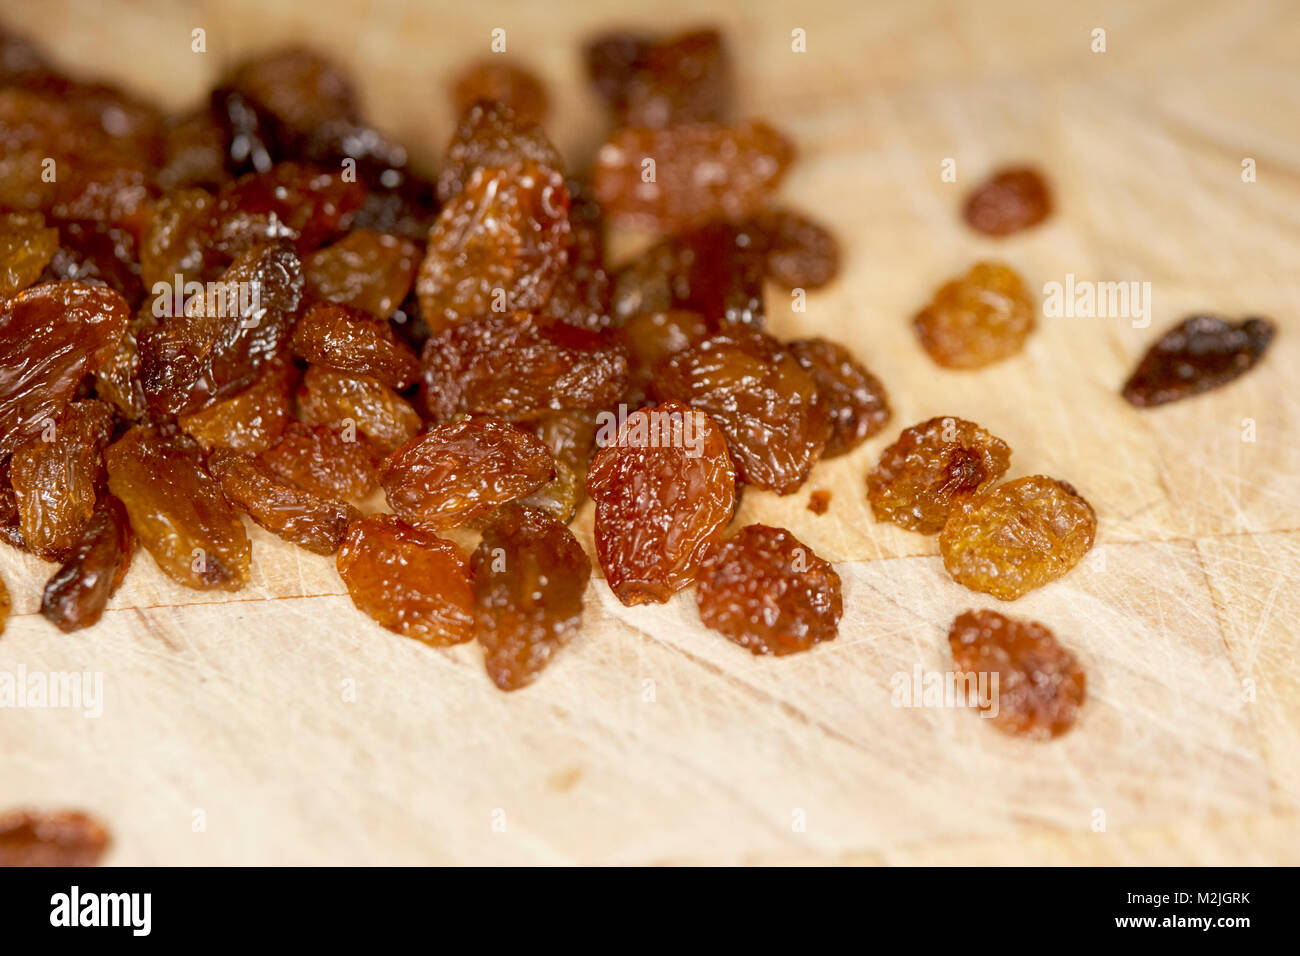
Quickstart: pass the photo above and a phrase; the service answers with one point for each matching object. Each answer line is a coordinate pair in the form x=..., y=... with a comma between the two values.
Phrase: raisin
x=493, y=135
x=294, y=514
x=327, y=397
x=55, y=481
x=26, y=247
x=659, y=83
x=581, y=295
x=366, y=270
x=410, y=581
x=933, y=467
x=1199, y=354
x=854, y=397
x=801, y=254
x=1017, y=536
x=769, y=407
x=570, y=437
x=250, y=421
x=1040, y=685
x=499, y=244
x=819, y=501
x=664, y=490
x=767, y=591
x=176, y=241
x=51, y=336
x=51, y=838
x=218, y=346
x=461, y=471
x=1008, y=201
x=496, y=81
x=529, y=577
x=703, y=171
x=518, y=367
x=76, y=594
x=297, y=202
x=195, y=149
x=94, y=251
x=117, y=381
x=321, y=460
x=651, y=337
x=355, y=342
x=177, y=509
x=977, y=319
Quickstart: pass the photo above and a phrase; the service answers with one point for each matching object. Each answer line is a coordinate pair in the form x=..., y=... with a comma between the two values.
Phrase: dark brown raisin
x=653, y=82
x=801, y=254
x=299, y=203
x=51, y=838
x=76, y=594
x=581, y=295
x=176, y=242
x=1199, y=354
x=195, y=153
x=767, y=591
x=854, y=397
x=332, y=398
x=97, y=252
x=354, y=342
x=1008, y=201
x=977, y=319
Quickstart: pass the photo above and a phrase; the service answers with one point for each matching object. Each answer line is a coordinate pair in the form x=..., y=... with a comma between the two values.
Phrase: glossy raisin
x=284, y=509
x=328, y=461
x=177, y=509
x=51, y=838
x=652, y=82
x=769, y=407
x=767, y=591
x=195, y=151
x=530, y=574
x=251, y=421
x=76, y=594
x=10, y=528
x=977, y=319
x=1008, y=201
x=854, y=398
x=354, y=342
x=933, y=467
x=327, y=397
x=462, y=471
x=703, y=171
x=1201, y=353
x=117, y=381
x=26, y=247
x=499, y=81
x=410, y=581
x=493, y=135
x=664, y=489
x=518, y=366
x=1017, y=536
x=366, y=270
x=1040, y=685
x=51, y=336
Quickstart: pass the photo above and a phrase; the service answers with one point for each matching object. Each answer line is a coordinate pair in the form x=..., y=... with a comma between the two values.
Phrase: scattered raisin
x=529, y=577
x=664, y=490
x=410, y=581
x=365, y=269
x=499, y=81
x=854, y=397
x=932, y=468
x=323, y=460
x=1017, y=536
x=819, y=501
x=1040, y=685
x=767, y=591
x=355, y=342
x=26, y=247
x=327, y=397
x=1199, y=354
x=662, y=82
x=51, y=838
x=76, y=594
x=977, y=319
x=1010, y=200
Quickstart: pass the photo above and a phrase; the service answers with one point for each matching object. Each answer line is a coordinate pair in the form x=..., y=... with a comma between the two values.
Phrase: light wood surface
x=653, y=740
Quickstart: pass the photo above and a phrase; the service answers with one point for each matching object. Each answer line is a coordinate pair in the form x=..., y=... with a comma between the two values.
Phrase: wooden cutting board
x=278, y=725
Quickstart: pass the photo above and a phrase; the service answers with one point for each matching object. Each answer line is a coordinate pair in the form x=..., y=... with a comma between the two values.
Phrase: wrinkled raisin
x=51, y=838
x=977, y=319
x=662, y=82
x=250, y=421
x=497, y=81
x=177, y=509
x=409, y=580
x=854, y=397
x=326, y=462
x=365, y=269
x=529, y=577
x=26, y=247
x=769, y=407
x=1008, y=201
x=494, y=135
x=10, y=529
x=819, y=501
x=932, y=468
x=461, y=471
x=664, y=490
x=1199, y=354
x=76, y=594
x=703, y=171
x=767, y=591
x=354, y=342
x=332, y=398
x=1040, y=685
x=117, y=381
x=1017, y=536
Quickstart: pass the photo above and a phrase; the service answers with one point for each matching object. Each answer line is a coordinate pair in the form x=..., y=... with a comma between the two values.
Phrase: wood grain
x=298, y=732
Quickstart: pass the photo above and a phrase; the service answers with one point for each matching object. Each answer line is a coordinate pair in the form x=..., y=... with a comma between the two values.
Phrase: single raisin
x=819, y=501
x=326, y=461
x=11, y=531
x=76, y=594
x=530, y=574
x=664, y=489
x=977, y=319
x=854, y=398
x=1017, y=536
x=461, y=471
x=703, y=171
x=662, y=82
x=410, y=581
x=650, y=338
x=51, y=838
x=1040, y=685
x=767, y=591
x=252, y=420
x=933, y=467
x=493, y=135
x=366, y=270
x=26, y=247
x=177, y=509
x=801, y=253
x=499, y=81
x=769, y=407
x=117, y=381
x=1199, y=354
x=1008, y=201
x=354, y=342
x=327, y=397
